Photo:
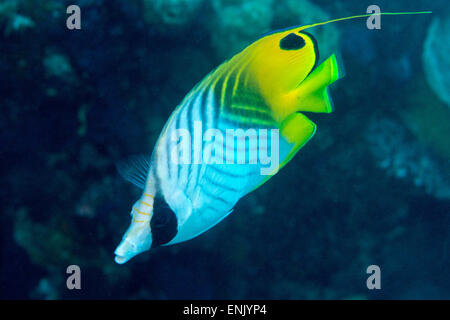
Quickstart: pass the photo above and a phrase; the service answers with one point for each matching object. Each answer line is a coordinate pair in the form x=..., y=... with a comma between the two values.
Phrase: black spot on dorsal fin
x=292, y=42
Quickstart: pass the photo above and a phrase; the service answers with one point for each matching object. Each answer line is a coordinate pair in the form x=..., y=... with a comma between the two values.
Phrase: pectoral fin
x=297, y=129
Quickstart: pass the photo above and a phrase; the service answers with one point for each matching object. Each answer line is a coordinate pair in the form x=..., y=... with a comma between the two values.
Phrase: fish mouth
x=120, y=259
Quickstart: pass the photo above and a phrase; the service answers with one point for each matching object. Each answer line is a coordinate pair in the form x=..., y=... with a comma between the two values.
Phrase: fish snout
x=136, y=240
x=125, y=251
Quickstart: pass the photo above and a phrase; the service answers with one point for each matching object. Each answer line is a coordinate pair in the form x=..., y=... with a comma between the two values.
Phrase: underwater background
x=371, y=188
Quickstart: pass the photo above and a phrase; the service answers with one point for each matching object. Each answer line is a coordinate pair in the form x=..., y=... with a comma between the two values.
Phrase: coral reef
x=235, y=24
x=405, y=159
x=58, y=65
x=169, y=13
x=435, y=56
x=428, y=118
x=14, y=21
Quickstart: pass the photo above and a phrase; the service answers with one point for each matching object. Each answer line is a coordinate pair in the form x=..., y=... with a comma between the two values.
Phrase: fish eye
x=292, y=42
x=163, y=224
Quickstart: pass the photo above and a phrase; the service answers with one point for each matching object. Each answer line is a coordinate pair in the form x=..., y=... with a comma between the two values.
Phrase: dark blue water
x=371, y=188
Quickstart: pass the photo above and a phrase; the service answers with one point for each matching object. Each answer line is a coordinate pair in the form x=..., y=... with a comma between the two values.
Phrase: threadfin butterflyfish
x=214, y=148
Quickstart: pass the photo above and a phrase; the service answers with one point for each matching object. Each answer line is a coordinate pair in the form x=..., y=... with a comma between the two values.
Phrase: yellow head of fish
x=282, y=60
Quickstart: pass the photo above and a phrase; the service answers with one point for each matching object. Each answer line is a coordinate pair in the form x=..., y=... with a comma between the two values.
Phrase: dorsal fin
x=135, y=169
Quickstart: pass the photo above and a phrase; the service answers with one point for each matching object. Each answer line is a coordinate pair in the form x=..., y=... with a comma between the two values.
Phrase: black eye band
x=292, y=42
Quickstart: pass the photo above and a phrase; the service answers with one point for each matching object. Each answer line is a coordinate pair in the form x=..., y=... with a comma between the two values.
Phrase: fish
x=214, y=148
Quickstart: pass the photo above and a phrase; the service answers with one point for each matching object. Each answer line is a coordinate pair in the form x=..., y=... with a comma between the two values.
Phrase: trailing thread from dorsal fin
x=363, y=16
